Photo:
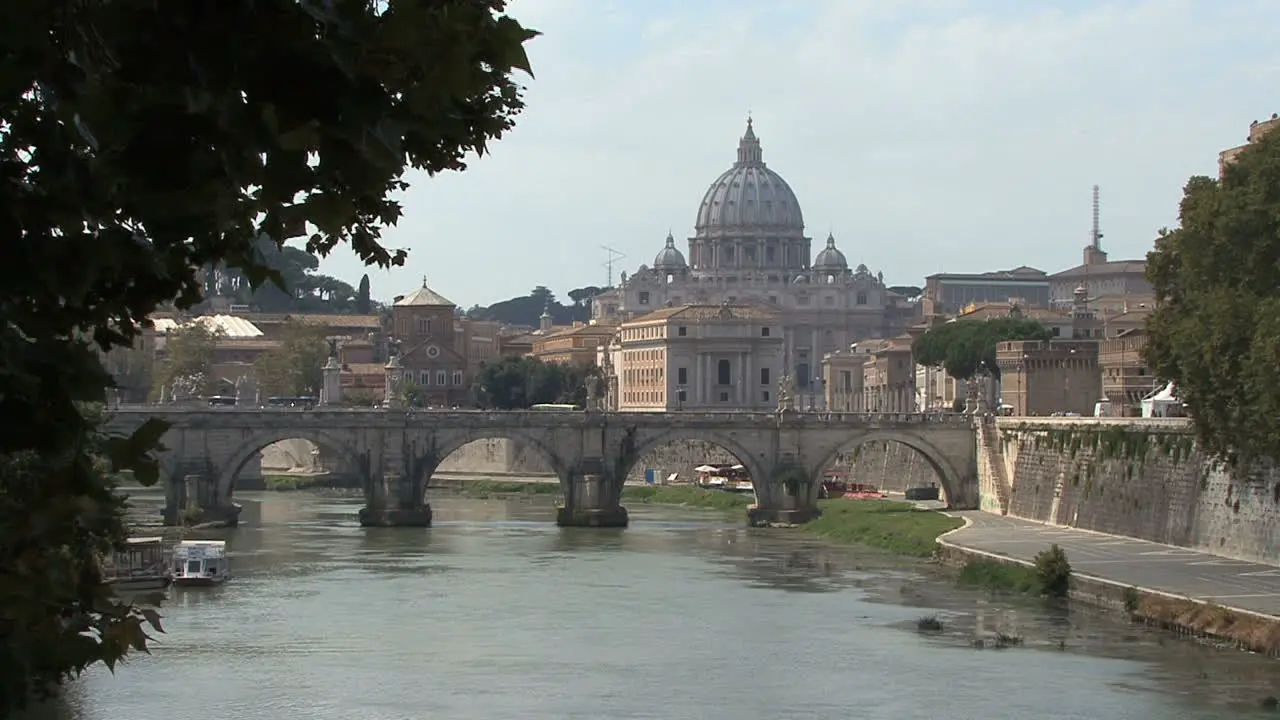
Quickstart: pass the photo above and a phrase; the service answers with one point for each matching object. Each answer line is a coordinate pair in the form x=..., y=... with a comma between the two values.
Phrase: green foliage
x=484, y=489
x=59, y=516
x=143, y=141
x=896, y=527
x=302, y=288
x=1215, y=331
x=514, y=383
x=527, y=310
x=294, y=368
x=999, y=577
x=1053, y=571
x=1132, y=599
x=364, y=303
x=188, y=359
x=687, y=496
x=966, y=348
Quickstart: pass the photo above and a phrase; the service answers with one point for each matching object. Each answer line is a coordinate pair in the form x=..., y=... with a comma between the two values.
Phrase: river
x=496, y=613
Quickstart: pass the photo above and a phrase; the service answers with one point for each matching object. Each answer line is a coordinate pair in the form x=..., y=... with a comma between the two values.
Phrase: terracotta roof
x=424, y=297
x=699, y=313
x=585, y=329
x=988, y=311
x=1114, y=267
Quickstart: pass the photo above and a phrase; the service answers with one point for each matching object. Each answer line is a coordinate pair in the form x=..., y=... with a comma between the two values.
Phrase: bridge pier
x=392, y=500
x=782, y=502
x=592, y=499
x=195, y=500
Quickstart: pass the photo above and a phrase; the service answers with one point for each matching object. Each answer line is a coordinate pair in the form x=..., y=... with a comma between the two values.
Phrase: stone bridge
x=395, y=452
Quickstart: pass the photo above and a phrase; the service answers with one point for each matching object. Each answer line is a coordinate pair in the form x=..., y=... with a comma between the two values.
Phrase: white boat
x=143, y=565
x=201, y=563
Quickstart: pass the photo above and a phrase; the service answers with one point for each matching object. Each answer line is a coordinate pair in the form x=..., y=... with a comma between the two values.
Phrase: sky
x=926, y=135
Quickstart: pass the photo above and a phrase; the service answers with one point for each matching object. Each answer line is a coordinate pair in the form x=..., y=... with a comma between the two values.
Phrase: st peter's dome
x=749, y=196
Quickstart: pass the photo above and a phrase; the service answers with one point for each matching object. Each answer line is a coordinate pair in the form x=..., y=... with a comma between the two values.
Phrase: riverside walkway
x=1178, y=571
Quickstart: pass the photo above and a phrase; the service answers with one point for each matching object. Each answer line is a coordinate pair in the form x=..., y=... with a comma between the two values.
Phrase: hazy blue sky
x=928, y=135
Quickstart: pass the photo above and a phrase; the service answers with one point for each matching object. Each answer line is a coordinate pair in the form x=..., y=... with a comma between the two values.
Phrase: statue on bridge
x=786, y=393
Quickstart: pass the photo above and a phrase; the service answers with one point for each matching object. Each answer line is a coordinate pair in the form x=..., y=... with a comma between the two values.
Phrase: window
x=750, y=252
x=1057, y=331
x=682, y=376
x=802, y=300
x=829, y=300
x=424, y=378
x=862, y=298
x=682, y=331
x=442, y=378
x=764, y=376
x=644, y=297
x=802, y=375
x=681, y=396
x=764, y=332
x=724, y=397
x=723, y=372
x=457, y=377
x=770, y=253
x=764, y=396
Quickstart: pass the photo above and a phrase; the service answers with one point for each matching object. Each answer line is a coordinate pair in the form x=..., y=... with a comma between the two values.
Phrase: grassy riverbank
x=286, y=483
x=687, y=496
x=896, y=527
x=484, y=489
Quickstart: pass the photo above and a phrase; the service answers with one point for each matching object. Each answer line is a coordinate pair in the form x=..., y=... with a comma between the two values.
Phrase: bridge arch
x=450, y=441
x=950, y=477
x=258, y=440
x=756, y=467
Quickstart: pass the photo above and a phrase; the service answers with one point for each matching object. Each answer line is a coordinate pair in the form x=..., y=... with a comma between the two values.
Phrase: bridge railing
x=815, y=418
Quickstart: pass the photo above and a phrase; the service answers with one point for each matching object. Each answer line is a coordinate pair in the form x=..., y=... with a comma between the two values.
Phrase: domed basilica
x=749, y=246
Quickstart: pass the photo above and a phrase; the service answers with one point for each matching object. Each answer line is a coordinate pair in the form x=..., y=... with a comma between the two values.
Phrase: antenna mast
x=613, y=256
x=1095, y=236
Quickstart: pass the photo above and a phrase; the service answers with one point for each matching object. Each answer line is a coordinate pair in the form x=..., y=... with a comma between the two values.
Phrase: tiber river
x=497, y=613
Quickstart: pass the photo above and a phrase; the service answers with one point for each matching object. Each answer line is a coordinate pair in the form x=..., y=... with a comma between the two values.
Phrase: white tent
x=1162, y=403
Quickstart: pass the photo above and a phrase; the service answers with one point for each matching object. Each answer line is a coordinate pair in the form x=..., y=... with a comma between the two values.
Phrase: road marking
x=1173, y=553
x=1237, y=597
x=1221, y=563
x=1261, y=573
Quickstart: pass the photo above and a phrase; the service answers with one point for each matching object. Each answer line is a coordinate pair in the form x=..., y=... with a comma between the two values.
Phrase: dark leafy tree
x=967, y=348
x=363, y=300
x=528, y=310
x=907, y=291
x=1215, y=330
x=140, y=141
x=515, y=383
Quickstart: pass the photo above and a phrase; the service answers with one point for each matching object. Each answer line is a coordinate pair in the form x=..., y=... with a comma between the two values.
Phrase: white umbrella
x=738, y=467
x=704, y=468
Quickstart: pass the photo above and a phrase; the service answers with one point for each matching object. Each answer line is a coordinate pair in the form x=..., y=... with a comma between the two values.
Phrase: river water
x=497, y=613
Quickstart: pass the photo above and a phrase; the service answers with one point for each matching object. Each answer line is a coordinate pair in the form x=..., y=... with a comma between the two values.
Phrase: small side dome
x=670, y=258
x=831, y=258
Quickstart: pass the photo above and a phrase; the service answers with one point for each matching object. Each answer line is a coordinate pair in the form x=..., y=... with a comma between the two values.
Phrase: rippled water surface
x=496, y=613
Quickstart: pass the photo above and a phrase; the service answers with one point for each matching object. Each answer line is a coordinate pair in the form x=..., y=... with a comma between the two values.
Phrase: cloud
x=928, y=134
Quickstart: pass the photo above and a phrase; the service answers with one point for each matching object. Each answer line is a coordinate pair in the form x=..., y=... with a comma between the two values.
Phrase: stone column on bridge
x=393, y=500
x=395, y=376
x=331, y=385
x=592, y=498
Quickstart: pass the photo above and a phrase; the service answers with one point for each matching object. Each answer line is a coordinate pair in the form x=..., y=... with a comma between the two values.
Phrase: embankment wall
x=1141, y=478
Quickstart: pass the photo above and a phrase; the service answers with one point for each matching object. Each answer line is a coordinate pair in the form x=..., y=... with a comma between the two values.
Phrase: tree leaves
x=142, y=141
x=515, y=383
x=965, y=348
x=294, y=368
x=1215, y=331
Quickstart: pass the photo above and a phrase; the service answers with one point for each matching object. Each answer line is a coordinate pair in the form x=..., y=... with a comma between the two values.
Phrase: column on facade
x=742, y=379
x=749, y=385
x=704, y=375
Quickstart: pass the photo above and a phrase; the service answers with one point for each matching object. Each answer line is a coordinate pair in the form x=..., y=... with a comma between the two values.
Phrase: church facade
x=749, y=246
